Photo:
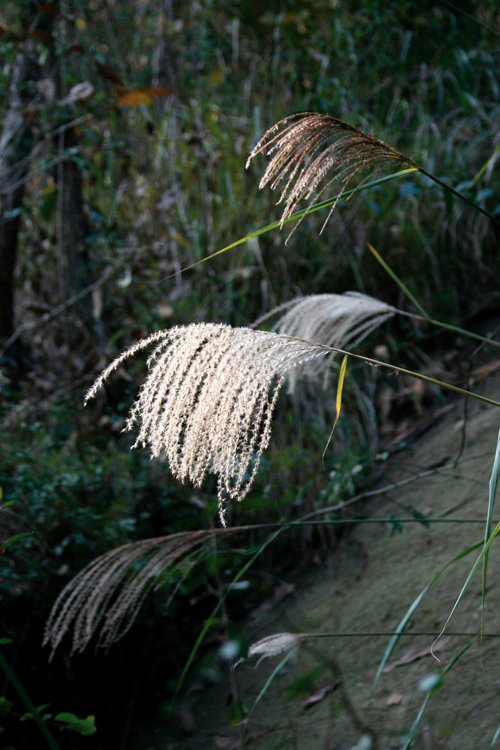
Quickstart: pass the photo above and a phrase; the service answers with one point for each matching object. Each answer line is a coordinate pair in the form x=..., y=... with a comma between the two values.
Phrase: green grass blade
x=404, y=622
x=411, y=373
x=495, y=738
x=449, y=327
x=469, y=579
x=12, y=678
x=424, y=317
x=457, y=194
x=485, y=166
x=213, y=617
x=416, y=724
x=489, y=521
x=396, y=278
x=297, y=215
x=268, y=682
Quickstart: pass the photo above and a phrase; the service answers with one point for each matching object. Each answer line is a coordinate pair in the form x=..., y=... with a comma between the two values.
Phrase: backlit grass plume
x=110, y=590
x=309, y=151
x=340, y=321
x=208, y=400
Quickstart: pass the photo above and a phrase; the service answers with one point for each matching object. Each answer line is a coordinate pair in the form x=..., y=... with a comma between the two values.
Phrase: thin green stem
x=404, y=371
x=396, y=278
x=459, y=195
x=385, y=633
x=485, y=166
x=450, y=327
x=11, y=676
x=414, y=731
x=211, y=620
x=424, y=317
x=296, y=215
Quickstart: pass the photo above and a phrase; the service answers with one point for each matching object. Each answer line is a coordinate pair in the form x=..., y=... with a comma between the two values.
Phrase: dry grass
x=340, y=321
x=310, y=151
x=111, y=589
x=208, y=400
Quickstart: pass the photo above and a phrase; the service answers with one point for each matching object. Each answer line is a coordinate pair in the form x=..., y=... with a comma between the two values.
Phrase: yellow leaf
x=157, y=92
x=135, y=98
x=340, y=388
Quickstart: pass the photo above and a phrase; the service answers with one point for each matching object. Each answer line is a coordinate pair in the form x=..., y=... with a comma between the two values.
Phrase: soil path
x=325, y=696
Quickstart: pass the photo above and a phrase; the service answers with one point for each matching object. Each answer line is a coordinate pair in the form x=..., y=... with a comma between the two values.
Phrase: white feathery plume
x=340, y=321
x=308, y=151
x=208, y=400
x=111, y=589
x=272, y=645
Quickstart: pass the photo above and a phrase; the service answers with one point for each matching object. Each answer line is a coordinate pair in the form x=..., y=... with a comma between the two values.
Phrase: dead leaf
x=394, y=699
x=137, y=97
x=485, y=371
x=320, y=694
x=158, y=91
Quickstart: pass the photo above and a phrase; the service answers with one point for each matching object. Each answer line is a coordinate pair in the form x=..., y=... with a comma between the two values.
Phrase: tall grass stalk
x=424, y=317
x=18, y=687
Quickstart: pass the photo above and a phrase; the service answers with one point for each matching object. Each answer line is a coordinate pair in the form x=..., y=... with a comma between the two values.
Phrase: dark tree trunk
x=15, y=148
x=74, y=225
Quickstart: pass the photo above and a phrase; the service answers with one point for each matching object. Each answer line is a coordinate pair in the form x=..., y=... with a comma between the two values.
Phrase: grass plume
x=110, y=590
x=208, y=400
x=340, y=321
x=309, y=151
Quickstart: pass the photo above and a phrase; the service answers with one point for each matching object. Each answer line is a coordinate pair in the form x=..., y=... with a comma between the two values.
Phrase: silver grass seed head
x=339, y=321
x=308, y=151
x=105, y=597
x=208, y=400
x=272, y=645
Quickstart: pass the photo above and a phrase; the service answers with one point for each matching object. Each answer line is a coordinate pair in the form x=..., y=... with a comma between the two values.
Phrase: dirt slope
x=325, y=695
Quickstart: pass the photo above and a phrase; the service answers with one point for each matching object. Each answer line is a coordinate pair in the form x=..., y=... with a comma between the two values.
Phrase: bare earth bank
x=325, y=696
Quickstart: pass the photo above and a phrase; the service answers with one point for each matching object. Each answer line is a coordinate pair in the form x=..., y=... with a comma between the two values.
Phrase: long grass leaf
x=416, y=724
x=327, y=203
x=460, y=195
x=268, y=682
x=424, y=317
x=340, y=388
x=495, y=738
x=485, y=165
x=210, y=621
x=414, y=605
x=489, y=522
x=42, y=726
x=467, y=582
x=396, y=278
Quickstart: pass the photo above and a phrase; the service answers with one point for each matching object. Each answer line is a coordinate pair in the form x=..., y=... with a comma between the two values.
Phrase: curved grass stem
x=424, y=316
x=16, y=684
x=411, y=373
x=457, y=194
x=296, y=215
